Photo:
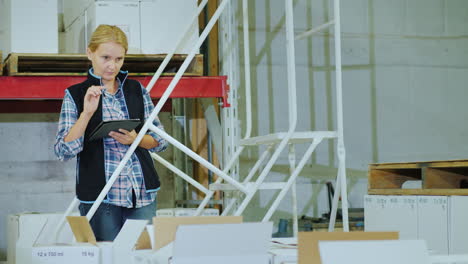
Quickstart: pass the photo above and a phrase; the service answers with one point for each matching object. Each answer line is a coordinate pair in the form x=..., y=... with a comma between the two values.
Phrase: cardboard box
x=23, y=21
x=27, y=226
x=392, y=213
x=71, y=254
x=162, y=24
x=308, y=242
x=32, y=249
x=371, y=252
x=164, y=232
x=165, y=227
x=171, y=212
x=439, y=220
x=283, y=250
x=152, y=26
x=124, y=14
x=75, y=8
x=133, y=236
x=246, y=243
x=433, y=223
x=457, y=231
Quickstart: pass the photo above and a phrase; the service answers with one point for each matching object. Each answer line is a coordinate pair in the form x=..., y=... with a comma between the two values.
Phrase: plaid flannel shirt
x=131, y=177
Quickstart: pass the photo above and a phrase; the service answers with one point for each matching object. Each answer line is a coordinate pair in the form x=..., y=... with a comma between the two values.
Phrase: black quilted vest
x=91, y=175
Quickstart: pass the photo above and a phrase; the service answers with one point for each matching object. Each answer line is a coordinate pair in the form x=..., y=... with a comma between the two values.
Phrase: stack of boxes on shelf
x=152, y=26
x=421, y=200
x=28, y=26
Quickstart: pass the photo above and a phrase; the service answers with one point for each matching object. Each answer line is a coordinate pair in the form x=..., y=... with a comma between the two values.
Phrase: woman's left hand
x=124, y=136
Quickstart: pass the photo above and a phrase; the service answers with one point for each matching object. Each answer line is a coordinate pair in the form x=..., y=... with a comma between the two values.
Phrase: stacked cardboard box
x=440, y=220
x=152, y=27
x=28, y=26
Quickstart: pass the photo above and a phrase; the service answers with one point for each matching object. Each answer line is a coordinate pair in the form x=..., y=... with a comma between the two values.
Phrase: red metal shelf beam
x=52, y=87
x=29, y=94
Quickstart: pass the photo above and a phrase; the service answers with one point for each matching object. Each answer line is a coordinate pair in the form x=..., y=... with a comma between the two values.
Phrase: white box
x=371, y=252
x=392, y=213
x=283, y=252
x=124, y=14
x=246, y=243
x=433, y=223
x=35, y=246
x=73, y=254
x=22, y=225
x=72, y=9
x=76, y=37
x=28, y=26
x=171, y=212
x=162, y=24
x=458, y=219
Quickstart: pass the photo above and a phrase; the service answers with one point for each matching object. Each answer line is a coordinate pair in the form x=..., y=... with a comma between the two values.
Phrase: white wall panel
x=425, y=17
x=456, y=17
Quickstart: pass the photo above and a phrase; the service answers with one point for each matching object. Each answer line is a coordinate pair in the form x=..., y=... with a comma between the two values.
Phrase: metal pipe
x=248, y=96
x=70, y=208
x=249, y=176
x=197, y=157
x=315, y=30
x=292, y=179
x=291, y=106
x=180, y=173
x=292, y=165
x=339, y=110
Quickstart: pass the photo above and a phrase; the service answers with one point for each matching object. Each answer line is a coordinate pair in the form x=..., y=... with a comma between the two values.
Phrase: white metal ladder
x=282, y=139
x=292, y=137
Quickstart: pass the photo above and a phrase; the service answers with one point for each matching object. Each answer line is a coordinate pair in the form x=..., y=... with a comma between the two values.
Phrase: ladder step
x=263, y=186
x=297, y=137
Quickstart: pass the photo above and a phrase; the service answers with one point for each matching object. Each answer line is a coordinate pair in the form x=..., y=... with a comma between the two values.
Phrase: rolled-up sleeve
x=68, y=116
x=149, y=107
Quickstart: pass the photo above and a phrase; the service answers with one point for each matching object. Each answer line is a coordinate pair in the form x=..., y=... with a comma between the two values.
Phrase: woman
x=105, y=95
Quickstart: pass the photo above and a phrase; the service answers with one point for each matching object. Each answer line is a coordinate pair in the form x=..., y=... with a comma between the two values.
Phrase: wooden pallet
x=437, y=178
x=38, y=64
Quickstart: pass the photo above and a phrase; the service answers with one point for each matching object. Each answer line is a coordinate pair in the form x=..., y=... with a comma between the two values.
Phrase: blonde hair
x=107, y=33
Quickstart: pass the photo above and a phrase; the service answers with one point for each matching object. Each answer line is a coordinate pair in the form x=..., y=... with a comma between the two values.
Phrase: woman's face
x=107, y=60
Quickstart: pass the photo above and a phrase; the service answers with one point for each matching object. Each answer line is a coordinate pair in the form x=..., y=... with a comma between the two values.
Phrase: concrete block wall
x=404, y=81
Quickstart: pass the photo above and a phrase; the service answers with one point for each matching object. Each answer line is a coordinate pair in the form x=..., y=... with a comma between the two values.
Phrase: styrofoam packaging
x=392, y=213
x=124, y=14
x=458, y=217
x=163, y=23
x=25, y=21
x=433, y=223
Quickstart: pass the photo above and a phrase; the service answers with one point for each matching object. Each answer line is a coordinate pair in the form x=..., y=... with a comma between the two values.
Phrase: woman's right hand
x=91, y=99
